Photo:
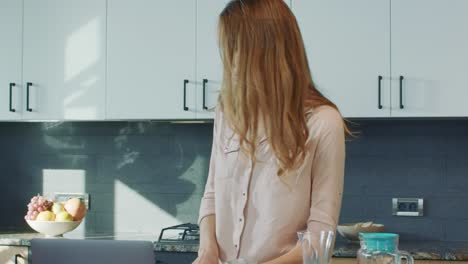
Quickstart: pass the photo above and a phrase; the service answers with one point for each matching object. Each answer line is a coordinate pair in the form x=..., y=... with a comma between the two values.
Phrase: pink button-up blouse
x=257, y=213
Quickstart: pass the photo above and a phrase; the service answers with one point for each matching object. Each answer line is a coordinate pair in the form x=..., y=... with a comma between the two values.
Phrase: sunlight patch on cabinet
x=82, y=49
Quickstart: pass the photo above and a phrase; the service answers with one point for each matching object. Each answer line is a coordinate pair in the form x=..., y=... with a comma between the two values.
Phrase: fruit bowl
x=53, y=219
x=52, y=228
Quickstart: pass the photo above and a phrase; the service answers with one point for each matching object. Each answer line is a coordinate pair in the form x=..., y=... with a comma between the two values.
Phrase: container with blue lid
x=381, y=242
x=381, y=248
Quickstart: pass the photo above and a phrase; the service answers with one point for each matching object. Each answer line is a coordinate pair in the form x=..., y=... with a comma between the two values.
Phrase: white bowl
x=53, y=229
x=351, y=231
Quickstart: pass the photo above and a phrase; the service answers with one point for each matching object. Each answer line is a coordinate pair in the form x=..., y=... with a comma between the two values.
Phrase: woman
x=278, y=153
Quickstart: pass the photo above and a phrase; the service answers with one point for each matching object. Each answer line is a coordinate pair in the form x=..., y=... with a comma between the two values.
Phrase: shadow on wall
x=141, y=176
x=150, y=182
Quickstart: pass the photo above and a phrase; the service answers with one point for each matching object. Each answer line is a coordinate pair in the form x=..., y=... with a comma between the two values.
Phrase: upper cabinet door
x=151, y=59
x=430, y=52
x=209, y=65
x=64, y=59
x=11, y=24
x=348, y=44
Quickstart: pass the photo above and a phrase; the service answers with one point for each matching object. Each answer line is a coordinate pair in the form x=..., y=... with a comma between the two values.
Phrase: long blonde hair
x=266, y=78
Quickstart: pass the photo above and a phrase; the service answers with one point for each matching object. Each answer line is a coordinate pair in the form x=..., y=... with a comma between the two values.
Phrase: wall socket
x=62, y=197
x=408, y=206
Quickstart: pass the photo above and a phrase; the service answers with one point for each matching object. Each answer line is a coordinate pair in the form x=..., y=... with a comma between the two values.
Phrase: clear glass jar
x=381, y=248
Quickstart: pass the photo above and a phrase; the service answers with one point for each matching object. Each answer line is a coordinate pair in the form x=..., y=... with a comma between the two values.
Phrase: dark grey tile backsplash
x=409, y=158
x=143, y=176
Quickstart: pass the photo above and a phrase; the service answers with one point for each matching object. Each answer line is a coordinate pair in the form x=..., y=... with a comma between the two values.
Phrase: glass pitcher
x=316, y=250
x=381, y=248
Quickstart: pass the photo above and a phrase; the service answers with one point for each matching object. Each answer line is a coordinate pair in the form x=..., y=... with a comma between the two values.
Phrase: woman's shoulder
x=325, y=112
x=324, y=119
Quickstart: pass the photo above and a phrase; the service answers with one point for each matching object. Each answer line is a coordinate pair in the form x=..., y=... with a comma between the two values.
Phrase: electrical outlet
x=62, y=197
x=408, y=206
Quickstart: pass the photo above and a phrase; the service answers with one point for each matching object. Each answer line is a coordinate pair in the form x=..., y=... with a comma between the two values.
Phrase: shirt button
x=235, y=245
x=243, y=194
x=240, y=219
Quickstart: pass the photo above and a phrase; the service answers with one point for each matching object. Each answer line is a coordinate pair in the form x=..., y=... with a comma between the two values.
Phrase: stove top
x=184, y=233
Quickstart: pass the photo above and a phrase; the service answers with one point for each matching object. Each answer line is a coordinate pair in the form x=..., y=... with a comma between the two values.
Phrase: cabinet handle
x=17, y=256
x=401, y=92
x=205, y=81
x=185, y=95
x=28, y=85
x=380, y=92
x=11, y=97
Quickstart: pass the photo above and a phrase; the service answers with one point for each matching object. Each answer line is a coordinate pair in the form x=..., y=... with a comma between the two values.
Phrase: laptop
x=74, y=251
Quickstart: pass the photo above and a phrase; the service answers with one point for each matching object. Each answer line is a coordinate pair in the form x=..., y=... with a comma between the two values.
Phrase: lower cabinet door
x=13, y=255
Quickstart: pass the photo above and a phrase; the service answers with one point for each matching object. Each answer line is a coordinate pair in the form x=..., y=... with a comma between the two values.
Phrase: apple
x=57, y=208
x=63, y=217
x=45, y=216
x=76, y=208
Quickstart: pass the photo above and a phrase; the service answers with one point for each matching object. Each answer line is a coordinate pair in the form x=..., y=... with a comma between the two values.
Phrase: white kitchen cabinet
x=430, y=51
x=64, y=59
x=348, y=47
x=118, y=59
x=11, y=30
x=209, y=65
x=151, y=57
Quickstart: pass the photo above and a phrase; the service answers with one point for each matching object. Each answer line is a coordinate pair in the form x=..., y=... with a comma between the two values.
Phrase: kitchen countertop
x=420, y=250
x=427, y=250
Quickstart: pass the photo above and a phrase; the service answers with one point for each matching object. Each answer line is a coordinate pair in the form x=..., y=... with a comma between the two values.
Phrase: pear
x=57, y=208
x=63, y=217
x=45, y=216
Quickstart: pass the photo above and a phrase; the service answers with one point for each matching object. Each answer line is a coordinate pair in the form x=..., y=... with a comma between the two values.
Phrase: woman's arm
x=208, y=234
x=208, y=251
x=327, y=180
x=207, y=205
x=292, y=257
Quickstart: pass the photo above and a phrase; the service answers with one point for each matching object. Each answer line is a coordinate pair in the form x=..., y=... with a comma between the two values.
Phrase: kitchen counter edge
x=430, y=250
